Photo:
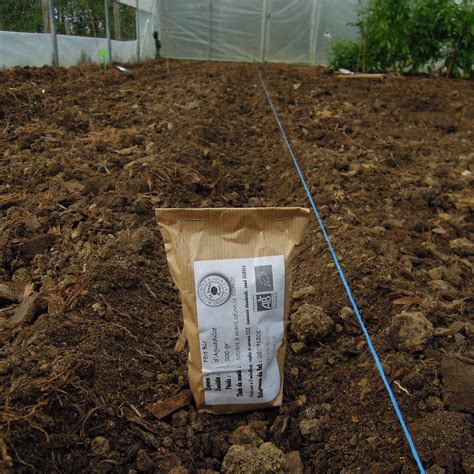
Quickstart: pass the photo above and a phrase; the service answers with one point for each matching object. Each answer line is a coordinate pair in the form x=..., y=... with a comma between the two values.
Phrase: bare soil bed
x=89, y=316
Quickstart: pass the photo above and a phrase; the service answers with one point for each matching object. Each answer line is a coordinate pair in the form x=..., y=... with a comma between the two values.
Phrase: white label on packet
x=240, y=307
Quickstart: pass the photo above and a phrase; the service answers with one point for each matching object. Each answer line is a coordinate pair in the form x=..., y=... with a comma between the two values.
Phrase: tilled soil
x=89, y=316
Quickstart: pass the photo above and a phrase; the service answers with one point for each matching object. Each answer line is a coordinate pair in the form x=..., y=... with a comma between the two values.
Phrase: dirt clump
x=265, y=459
x=410, y=331
x=310, y=323
x=458, y=392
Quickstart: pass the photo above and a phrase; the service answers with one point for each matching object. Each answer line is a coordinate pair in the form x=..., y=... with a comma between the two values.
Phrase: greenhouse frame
x=295, y=31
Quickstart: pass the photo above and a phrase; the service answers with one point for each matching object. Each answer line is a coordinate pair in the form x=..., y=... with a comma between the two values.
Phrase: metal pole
x=311, y=57
x=315, y=32
x=159, y=27
x=107, y=28
x=210, y=31
x=53, y=32
x=137, y=17
x=264, y=31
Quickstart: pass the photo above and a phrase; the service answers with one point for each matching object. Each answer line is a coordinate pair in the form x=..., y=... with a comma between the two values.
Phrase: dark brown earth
x=89, y=316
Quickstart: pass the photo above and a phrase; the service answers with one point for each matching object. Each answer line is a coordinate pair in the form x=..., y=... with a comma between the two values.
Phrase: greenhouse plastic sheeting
x=185, y=29
x=335, y=19
x=235, y=30
x=36, y=49
x=147, y=43
x=290, y=31
x=25, y=49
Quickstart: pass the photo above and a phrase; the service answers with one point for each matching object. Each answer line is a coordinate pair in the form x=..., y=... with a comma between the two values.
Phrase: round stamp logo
x=214, y=290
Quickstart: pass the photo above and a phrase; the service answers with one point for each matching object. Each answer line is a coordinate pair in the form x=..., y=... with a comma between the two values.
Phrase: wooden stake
x=170, y=405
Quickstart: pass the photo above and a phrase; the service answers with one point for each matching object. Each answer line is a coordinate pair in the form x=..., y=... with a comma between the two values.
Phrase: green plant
x=411, y=36
x=384, y=28
x=21, y=15
x=460, y=58
x=346, y=54
x=430, y=25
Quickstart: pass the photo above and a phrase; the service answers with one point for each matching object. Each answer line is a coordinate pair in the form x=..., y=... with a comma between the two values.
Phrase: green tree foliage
x=21, y=15
x=77, y=17
x=385, y=30
x=411, y=35
x=346, y=54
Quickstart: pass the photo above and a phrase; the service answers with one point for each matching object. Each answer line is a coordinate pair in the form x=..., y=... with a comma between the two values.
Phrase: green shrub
x=460, y=57
x=411, y=36
x=431, y=23
x=384, y=28
x=346, y=54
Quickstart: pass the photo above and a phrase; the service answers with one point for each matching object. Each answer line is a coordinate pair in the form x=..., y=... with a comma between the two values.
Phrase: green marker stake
x=104, y=53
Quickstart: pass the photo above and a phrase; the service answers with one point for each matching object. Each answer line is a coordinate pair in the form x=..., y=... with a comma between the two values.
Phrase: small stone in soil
x=178, y=470
x=4, y=367
x=28, y=309
x=260, y=427
x=304, y=292
x=100, y=446
x=311, y=429
x=309, y=413
x=294, y=372
x=142, y=240
x=458, y=393
x=252, y=460
x=463, y=247
x=360, y=345
x=298, y=347
x=348, y=315
x=434, y=403
x=168, y=442
x=245, y=435
x=295, y=464
x=6, y=293
x=410, y=331
x=435, y=469
x=436, y=273
x=180, y=418
x=310, y=323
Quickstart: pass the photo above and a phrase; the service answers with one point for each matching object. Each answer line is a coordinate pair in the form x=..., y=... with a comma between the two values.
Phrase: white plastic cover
x=185, y=29
x=36, y=49
x=25, y=49
x=147, y=43
x=335, y=19
x=236, y=30
x=290, y=31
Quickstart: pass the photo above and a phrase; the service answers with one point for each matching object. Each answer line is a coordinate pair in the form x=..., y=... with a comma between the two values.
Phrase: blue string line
x=346, y=285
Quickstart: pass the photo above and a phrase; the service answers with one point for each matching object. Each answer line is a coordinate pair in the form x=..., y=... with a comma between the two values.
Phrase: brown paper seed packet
x=233, y=270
